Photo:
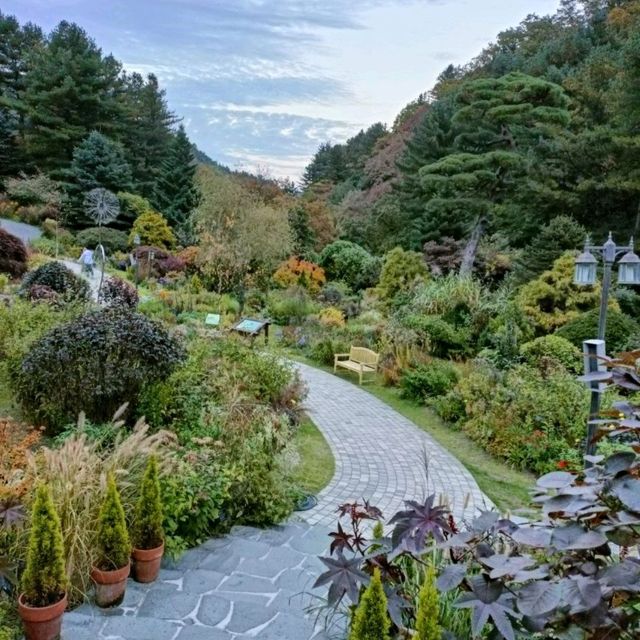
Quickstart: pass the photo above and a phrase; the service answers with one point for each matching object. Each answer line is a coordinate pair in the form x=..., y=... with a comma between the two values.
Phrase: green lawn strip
x=317, y=465
x=508, y=488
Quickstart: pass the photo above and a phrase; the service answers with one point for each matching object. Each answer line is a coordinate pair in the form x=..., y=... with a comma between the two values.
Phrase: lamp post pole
x=136, y=244
x=585, y=274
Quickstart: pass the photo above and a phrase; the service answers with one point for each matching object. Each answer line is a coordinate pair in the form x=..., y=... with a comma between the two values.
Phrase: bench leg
x=360, y=376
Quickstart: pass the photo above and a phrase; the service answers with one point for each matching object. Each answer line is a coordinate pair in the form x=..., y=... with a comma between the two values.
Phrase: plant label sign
x=212, y=319
x=250, y=326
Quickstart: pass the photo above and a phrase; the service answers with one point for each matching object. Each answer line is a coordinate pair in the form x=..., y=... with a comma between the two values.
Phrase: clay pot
x=146, y=563
x=110, y=585
x=42, y=623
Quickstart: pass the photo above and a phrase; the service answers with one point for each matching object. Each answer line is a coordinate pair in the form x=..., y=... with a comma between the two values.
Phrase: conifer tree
x=303, y=235
x=44, y=580
x=99, y=162
x=427, y=616
x=148, y=122
x=69, y=92
x=113, y=537
x=371, y=621
x=176, y=194
x=147, y=530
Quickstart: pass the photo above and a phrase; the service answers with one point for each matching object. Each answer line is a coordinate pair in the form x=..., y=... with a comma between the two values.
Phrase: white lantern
x=585, y=273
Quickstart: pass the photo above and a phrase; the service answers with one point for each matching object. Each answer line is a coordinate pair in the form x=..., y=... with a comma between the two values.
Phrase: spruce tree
x=44, y=580
x=371, y=621
x=100, y=162
x=303, y=234
x=428, y=613
x=431, y=141
x=176, y=194
x=148, y=121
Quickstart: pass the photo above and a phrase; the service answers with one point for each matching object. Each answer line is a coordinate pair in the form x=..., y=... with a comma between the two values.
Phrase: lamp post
x=585, y=275
x=136, y=243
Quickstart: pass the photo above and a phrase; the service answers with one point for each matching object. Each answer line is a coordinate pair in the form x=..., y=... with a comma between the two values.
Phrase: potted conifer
x=113, y=563
x=44, y=582
x=148, y=535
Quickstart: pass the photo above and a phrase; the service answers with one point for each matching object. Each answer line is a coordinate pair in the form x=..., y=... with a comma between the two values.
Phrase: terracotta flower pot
x=42, y=623
x=110, y=585
x=146, y=563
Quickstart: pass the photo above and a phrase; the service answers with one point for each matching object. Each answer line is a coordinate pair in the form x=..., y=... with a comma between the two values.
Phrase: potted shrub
x=44, y=582
x=148, y=535
x=113, y=563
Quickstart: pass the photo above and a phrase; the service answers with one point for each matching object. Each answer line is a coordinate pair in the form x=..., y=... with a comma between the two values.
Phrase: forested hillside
x=543, y=123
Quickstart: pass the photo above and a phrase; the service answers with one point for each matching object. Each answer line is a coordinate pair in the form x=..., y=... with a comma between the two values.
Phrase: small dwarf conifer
x=44, y=580
x=147, y=530
x=113, y=537
x=370, y=621
x=427, y=627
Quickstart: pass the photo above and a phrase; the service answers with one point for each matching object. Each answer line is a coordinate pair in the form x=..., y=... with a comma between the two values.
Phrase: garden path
x=380, y=455
x=257, y=583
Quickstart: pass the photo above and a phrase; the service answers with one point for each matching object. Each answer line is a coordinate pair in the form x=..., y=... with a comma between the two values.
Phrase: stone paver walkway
x=380, y=455
x=251, y=584
x=257, y=583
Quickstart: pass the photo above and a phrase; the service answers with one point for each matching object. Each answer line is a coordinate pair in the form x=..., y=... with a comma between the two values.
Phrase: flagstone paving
x=258, y=583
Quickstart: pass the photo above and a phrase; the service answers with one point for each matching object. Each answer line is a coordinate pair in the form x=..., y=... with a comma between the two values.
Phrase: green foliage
x=401, y=270
x=428, y=380
x=531, y=418
x=111, y=239
x=153, y=230
x=109, y=356
x=442, y=338
x=323, y=350
x=620, y=330
x=552, y=299
x=548, y=349
x=291, y=306
x=370, y=620
x=176, y=194
x=60, y=278
x=428, y=611
x=561, y=234
x=132, y=206
x=114, y=546
x=13, y=255
x=44, y=580
x=147, y=525
x=98, y=162
x=351, y=264
x=301, y=230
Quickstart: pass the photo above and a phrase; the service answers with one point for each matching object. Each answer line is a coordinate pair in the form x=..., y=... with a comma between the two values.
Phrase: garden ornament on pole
x=585, y=275
x=103, y=207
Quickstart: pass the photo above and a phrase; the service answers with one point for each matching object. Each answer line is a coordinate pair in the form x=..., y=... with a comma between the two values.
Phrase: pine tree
x=44, y=580
x=176, y=194
x=113, y=538
x=69, y=92
x=428, y=613
x=16, y=46
x=147, y=531
x=371, y=621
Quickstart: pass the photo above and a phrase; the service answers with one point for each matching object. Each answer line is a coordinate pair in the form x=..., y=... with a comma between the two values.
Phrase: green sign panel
x=213, y=319
x=250, y=326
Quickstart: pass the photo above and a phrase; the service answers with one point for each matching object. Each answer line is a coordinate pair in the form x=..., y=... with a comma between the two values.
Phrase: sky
x=260, y=84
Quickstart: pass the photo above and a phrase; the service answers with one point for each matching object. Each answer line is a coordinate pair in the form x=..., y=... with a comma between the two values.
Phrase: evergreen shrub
x=114, y=546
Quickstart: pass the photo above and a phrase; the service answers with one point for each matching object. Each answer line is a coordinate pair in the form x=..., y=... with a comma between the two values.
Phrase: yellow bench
x=358, y=359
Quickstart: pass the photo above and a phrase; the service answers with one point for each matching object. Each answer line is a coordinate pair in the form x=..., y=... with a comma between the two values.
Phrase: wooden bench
x=358, y=359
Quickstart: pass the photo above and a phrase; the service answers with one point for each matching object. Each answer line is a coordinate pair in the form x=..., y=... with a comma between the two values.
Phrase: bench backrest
x=363, y=356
